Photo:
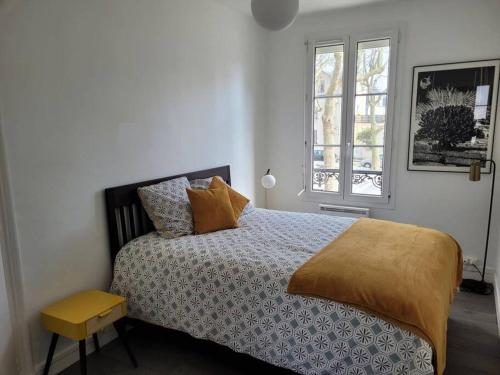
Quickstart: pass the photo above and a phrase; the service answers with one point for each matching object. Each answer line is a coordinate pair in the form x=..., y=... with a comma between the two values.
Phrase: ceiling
x=306, y=6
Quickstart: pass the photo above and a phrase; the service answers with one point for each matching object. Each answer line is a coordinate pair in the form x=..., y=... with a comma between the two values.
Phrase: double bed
x=230, y=287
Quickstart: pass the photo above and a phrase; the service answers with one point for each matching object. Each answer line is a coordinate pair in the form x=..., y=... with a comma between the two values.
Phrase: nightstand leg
x=121, y=335
x=52, y=348
x=83, y=357
x=96, y=342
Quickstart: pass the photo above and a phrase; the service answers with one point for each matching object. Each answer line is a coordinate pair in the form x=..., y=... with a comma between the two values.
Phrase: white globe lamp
x=275, y=14
x=268, y=181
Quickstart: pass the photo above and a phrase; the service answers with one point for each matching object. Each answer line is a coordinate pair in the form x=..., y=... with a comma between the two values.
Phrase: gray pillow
x=168, y=207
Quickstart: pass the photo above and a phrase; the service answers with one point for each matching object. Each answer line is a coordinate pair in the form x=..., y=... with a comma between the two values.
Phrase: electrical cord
x=477, y=269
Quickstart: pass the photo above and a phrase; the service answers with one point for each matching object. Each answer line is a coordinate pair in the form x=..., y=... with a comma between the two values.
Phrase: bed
x=230, y=286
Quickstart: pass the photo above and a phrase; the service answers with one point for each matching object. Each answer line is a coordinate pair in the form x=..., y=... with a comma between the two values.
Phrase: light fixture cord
x=489, y=217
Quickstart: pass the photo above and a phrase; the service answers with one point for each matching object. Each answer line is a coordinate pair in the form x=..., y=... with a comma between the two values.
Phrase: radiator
x=328, y=209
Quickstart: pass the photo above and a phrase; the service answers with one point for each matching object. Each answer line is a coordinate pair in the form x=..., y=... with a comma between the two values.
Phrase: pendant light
x=275, y=14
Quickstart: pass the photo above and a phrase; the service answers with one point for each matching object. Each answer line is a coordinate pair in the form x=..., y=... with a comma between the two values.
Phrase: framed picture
x=453, y=115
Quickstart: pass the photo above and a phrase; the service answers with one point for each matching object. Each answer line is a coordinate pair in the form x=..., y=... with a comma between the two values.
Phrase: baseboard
x=70, y=355
x=497, y=299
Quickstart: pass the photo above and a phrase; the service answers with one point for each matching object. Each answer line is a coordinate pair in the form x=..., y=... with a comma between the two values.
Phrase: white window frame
x=345, y=195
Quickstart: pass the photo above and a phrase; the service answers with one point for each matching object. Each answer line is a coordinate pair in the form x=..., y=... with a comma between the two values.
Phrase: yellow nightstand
x=82, y=315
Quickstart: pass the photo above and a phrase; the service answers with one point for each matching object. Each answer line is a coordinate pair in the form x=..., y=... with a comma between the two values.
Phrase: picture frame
x=453, y=114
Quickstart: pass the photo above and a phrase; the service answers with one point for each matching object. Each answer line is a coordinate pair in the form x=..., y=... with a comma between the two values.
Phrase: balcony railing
x=322, y=175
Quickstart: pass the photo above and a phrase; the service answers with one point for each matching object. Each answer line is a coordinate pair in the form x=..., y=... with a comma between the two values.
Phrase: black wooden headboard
x=126, y=216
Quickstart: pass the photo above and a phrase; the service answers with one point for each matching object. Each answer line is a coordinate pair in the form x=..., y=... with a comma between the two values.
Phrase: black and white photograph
x=453, y=115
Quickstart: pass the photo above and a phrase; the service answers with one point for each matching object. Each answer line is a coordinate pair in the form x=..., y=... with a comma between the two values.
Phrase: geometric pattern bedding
x=230, y=287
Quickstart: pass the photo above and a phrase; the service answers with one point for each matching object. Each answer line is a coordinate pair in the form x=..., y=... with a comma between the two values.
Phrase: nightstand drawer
x=105, y=318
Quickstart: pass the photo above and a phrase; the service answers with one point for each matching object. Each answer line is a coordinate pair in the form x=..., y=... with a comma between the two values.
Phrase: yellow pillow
x=212, y=210
x=238, y=201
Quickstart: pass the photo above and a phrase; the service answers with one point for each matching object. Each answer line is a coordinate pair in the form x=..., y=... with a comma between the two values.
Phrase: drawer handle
x=105, y=313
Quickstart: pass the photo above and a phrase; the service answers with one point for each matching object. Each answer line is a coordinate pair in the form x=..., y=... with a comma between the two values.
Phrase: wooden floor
x=473, y=349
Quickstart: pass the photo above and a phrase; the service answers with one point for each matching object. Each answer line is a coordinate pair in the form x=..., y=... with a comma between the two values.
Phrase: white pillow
x=168, y=207
x=201, y=183
x=248, y=209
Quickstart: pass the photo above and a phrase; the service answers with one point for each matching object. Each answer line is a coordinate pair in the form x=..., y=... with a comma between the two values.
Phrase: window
x=349, y=118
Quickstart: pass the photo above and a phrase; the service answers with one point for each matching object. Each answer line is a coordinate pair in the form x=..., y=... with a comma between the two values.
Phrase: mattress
x=229, y=287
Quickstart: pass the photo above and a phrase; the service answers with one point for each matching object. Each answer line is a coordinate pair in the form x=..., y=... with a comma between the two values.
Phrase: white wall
x=433, y=32
x=100, y=93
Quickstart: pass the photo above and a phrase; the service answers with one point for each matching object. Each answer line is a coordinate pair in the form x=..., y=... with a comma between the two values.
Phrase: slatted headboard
x=126, y=216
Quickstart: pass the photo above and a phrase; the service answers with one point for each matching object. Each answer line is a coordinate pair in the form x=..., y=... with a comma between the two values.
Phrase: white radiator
x=328, y=209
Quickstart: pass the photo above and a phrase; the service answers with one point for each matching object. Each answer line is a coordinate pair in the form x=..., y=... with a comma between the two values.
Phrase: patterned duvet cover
x=230, y=287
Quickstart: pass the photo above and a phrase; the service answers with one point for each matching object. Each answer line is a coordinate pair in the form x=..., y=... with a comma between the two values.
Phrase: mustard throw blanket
x=403, y=273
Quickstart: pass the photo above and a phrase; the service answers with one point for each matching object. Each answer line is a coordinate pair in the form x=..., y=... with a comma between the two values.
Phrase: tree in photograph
x=448, y=126
x=437, y=98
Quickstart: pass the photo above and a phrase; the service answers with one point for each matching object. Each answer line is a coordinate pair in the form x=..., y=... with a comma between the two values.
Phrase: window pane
x=370, y=107
x=367, y=158
x=369, y=120
x=367, y=166
x=367, y=184
x=327, y=118
x=372, y=71
x=326, y=157
x=328, y=70
x=326, y=161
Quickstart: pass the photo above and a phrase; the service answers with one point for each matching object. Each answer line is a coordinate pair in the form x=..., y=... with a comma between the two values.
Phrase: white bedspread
x=230, y=287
